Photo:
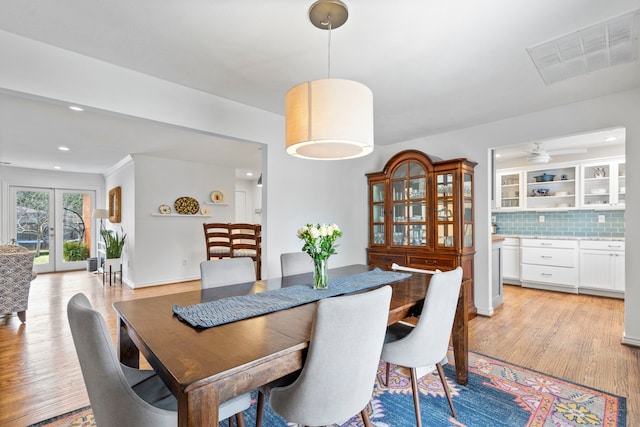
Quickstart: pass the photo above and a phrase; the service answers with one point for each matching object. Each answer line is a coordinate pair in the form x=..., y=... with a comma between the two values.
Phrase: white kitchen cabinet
x=604, y=185
x=549, y=264
x=508, y=190
x=602, y=268
x=511, y=260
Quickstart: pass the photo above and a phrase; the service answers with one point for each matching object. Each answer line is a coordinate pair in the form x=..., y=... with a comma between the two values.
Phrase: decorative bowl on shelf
x=561, y=193
x=542, y=191
x=545, y=177
x=598, y=190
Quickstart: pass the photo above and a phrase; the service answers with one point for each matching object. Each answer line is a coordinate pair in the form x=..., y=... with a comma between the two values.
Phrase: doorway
x=53, y=223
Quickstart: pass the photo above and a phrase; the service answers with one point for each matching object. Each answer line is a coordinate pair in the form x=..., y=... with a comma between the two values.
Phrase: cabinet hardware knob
x=547, y=274
x=546, y=257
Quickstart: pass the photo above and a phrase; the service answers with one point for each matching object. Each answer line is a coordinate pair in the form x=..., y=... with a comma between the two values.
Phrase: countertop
x=525, y=236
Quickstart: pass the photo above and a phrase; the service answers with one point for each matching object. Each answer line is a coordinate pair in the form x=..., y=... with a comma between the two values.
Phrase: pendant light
x=329, y=119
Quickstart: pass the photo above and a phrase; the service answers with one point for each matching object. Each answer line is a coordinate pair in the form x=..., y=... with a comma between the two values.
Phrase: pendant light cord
x=329, y=50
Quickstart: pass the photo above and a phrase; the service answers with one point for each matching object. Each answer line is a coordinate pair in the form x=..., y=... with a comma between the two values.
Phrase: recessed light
x=610, y=138
x=249, y=174
x=63, y=148
x=497, y=155
x=76, y=108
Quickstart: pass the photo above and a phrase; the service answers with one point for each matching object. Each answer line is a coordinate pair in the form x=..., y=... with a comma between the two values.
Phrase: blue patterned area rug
x=499, y=394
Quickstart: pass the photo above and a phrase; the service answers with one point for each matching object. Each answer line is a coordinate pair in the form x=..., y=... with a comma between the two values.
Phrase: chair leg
x=445, y=386
x=22, y=315
x=416, y=396
x=365, y=417
x=386, y=377
x=240, y=419
x=259, y=409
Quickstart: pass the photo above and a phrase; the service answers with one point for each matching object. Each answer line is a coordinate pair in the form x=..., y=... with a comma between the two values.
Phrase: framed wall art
x=115, y=203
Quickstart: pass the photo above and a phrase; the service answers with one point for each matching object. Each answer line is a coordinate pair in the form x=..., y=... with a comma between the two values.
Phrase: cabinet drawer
x=385, y=260
x=511, y=241
x=551, y=257
x=432, y=262
x=544, y=274
x=602, y=245
x=549, y=243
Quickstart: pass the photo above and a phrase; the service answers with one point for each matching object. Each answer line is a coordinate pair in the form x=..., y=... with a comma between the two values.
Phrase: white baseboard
x=630, y=341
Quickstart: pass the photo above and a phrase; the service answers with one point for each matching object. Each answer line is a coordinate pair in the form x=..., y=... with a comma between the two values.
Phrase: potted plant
x=114, y=244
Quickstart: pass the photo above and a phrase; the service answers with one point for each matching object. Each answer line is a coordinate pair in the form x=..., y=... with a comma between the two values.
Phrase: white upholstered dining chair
x=339, y=372
x=293, y=263
x=120, y=395
x=227, y=271
x=426, y=344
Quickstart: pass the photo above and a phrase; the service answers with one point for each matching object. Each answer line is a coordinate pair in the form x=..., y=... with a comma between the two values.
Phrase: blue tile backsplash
x=567, y=223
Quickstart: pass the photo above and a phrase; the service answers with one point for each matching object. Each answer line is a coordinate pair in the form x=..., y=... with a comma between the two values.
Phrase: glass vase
x=320, y=274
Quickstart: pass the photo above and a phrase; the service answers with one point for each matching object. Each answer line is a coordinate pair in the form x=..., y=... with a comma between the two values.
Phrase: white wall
x=618, y=110
x=168, y=248
x=123, y=176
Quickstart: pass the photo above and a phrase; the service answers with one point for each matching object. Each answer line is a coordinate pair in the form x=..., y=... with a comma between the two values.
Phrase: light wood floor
x=575, y=337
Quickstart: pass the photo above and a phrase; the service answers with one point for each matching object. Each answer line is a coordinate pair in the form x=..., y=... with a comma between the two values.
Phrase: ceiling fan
x=540, y=155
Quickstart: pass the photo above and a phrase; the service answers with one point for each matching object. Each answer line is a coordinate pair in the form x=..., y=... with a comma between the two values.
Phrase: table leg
x=128, y=353
x=198, y=407
x=460, y=335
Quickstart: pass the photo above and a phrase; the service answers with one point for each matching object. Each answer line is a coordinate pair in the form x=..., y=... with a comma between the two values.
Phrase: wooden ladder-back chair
x=246, y=241
x=217, y=240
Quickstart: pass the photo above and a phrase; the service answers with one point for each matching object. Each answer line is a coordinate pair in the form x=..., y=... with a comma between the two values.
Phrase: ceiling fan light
x=538, y=158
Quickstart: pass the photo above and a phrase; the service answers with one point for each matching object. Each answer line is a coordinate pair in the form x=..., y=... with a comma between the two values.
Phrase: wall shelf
x=182, y=215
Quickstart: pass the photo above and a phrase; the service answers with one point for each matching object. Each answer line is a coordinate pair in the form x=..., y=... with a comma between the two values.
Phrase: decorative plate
x=186, y=205
x=205, y=210
x=217, y=196
x=165, y=209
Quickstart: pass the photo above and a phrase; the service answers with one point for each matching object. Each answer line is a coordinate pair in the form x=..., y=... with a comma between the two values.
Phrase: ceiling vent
x=598, y=46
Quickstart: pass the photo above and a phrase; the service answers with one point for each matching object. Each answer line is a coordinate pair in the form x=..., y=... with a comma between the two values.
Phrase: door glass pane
x=445, y=235
x=378, y=213
x=400, y=234
x=399, y=190
x=76, y=222
x=400, y=173
x=32, y=223
x=378, y=193
x=445, y=185
x=468, y=235
x=445, y=210
x=416, y=188
x=416, y=169
x=622, y=185
x=378, y=234
x=417, y=212
x=400, y=212
x=418, y=235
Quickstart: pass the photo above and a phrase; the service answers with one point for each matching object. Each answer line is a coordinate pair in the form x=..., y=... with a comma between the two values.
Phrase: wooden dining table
x=204, y=367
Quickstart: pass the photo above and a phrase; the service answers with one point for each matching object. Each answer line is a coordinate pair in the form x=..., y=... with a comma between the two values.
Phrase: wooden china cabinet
x=421, y=215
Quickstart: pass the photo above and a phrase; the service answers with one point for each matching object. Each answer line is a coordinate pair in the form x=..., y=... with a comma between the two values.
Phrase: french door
x=55, y=224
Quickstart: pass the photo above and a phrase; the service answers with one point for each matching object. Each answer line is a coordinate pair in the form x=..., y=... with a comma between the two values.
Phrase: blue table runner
x=231, y=309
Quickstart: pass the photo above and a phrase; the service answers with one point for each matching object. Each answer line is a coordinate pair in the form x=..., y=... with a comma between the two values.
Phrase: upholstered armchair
x=16, y=274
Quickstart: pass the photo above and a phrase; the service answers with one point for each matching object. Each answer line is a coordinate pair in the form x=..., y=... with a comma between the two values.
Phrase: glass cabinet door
x=467, y=219
x=445, y=209
x=377, y=214
x=409, y=205
x=621, y=183
x=508, y=190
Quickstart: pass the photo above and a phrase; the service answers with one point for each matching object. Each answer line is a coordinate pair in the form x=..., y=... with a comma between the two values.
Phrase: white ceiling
x=432, y=66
